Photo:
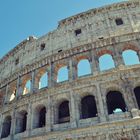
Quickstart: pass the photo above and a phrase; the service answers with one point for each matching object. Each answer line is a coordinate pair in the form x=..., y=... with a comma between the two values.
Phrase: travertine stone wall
x=99, y=35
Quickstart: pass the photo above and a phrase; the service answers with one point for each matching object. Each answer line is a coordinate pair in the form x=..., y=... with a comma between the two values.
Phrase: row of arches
x=106, y=62
x=114, y=100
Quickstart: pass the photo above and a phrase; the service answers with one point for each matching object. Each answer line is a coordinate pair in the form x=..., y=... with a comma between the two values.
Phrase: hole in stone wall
x=115, y=102
x=88, y=106
x=84, y=68
x=130, y=57
x=21, y=121
x=59, y=51
x=6, y=127
x=78, y=32
x=27, y=87
x=43, y=81
x=62, y=74
x=64, y=114
x=137, y=95
x=42, y=46
x=106, y=62
x=119, y=21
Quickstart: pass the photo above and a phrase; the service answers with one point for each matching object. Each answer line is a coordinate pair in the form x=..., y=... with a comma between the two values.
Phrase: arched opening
x=106, y=62
x=88, y=107
x=27, y=87
x=62, y=74
x=84, y=68
x=21, y=122
x=39, y=117
x=43, y=81
x=6, y=127
x=63, y=112
x=130, y=57
x=115, y=102
x=137, y=95
x=13, y=95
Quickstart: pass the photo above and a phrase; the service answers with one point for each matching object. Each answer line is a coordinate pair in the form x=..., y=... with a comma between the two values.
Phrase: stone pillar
x=1, y=124
x=73, y=111
x=102, y=113
x=18, y=87
x=118, y=58
x=33, y=82
x=13, y=124
x=128, y=94
x=72, y=69
x=49, y=116
x=51, y=79
x=29, y=120
x=6, y=95
x=94, y=63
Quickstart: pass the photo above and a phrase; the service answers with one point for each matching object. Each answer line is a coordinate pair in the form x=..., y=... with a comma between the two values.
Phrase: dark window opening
x=21, y=122
x=17, y=61
x=6, y=127
x=137, y=95
x=42, y=47
x=88, y=107
x=59, y=51
x=77, y=32
x=42, y=117
x=115, y=102
x=64, y=115
x=119, y=21
x=101, y=37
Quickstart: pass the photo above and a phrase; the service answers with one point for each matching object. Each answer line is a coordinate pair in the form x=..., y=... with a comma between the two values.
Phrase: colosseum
x=100, y=104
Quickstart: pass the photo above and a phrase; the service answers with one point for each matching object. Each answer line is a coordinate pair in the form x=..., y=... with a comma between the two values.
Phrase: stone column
x=102, y=113
x=6, y=95
x=128, y=94
x=72, y=69
x=29, y=120
x=49, y=115
x=33, y=82
x=19, y=91
x=1, y=124
x=118, y=58
x=73, y=111
x=94, y=63
x=51, y=79
x=13, y=124
x=18, y=87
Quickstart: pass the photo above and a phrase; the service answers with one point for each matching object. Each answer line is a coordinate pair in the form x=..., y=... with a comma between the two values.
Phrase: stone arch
x=105, y=56
x=88, y=107
x=41, y=78
x=130, y=46
x=83, y=67
x=63, y=112
x=129, y=53
x=62, y=74
x=6, y=127
x=39, y=116
x=26, y=84
x=21, y=121
x=12, y=89
x=103, y=52
x=115, y=102
x=137, y=95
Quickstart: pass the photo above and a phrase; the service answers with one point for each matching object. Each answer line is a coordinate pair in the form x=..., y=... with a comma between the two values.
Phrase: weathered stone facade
x=108, y=30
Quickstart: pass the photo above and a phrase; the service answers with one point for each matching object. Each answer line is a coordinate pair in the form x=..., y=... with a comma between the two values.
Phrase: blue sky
x=22, y=18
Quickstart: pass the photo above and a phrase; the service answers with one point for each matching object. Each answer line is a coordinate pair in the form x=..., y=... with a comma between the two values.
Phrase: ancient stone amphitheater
x=102, y=104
